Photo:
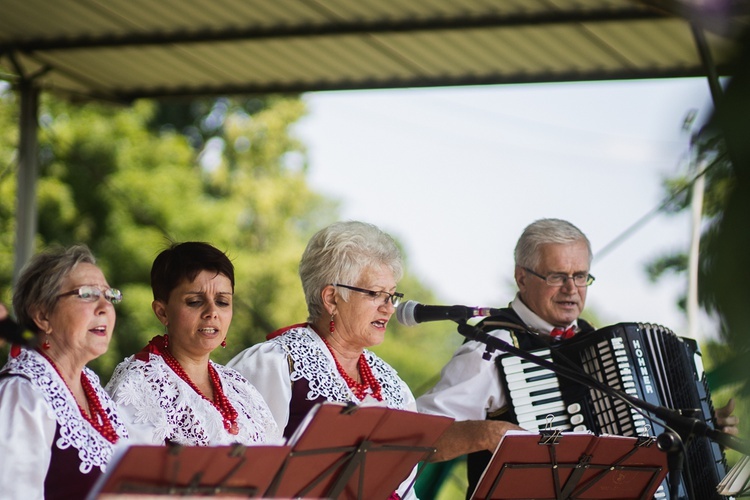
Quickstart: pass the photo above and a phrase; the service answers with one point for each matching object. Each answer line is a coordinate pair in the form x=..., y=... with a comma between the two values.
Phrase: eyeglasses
x=89, y=293
x=381, y=297
x=559, y=279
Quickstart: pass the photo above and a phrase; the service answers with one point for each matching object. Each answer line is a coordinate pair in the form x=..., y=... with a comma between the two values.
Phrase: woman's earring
x=224, y=343
x=331, y=325
x=45, y=344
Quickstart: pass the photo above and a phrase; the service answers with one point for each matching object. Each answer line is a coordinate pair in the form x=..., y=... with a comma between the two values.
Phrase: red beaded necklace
x=220, y=401
x=368, y=379
x=98, y=419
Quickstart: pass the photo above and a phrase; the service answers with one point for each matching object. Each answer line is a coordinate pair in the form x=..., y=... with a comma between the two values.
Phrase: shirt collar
x=530, y=318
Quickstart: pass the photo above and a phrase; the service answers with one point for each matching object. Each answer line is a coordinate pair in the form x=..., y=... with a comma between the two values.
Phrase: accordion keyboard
x=648, y=362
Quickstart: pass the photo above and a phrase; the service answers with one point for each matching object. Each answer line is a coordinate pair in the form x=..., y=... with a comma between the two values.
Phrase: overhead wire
x=637, y=225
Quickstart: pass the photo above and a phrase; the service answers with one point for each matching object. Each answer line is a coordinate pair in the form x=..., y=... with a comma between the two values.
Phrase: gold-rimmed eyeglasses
x=89, y=293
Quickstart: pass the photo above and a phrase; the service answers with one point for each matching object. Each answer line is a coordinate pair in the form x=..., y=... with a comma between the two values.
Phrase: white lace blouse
x=267, y=365
x=34, y=400
x=157, y=405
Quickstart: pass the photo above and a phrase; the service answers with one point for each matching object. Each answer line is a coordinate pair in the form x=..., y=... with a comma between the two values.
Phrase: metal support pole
x=696, y=207
x=708, y=64
x=28, y=168
x=696, y=212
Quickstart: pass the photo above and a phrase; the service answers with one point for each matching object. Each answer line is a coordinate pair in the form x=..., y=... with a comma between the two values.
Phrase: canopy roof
x=121, y=50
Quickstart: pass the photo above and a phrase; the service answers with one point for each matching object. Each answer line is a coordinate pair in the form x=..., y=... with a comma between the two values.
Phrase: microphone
x=410, y=313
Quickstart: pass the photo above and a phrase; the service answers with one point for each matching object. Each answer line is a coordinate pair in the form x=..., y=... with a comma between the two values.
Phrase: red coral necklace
x=220, y=401
x=98, y=419
x=368, y=379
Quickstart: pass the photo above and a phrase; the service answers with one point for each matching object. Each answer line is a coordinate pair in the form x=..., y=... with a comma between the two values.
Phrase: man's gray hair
x=544, y=232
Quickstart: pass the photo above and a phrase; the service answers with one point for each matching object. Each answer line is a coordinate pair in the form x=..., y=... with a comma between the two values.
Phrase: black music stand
x=356, y=452
x=558, y=466
x=236, y=470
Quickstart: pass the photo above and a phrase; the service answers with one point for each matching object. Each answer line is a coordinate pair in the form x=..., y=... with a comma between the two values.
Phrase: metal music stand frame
x=382, y=447
x=577, y=472
x=174, y=469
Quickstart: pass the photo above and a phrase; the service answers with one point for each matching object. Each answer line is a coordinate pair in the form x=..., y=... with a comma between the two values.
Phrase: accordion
x=646, y=361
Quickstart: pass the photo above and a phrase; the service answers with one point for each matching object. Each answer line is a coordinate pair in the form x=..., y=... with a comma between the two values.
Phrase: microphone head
x=405, y=313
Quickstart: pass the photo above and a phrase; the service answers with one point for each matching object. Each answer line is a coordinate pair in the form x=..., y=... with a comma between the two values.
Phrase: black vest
x=476, y=462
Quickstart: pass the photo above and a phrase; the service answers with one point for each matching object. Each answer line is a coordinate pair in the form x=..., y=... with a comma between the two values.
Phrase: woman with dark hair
x=171, y=391
x=57, y=424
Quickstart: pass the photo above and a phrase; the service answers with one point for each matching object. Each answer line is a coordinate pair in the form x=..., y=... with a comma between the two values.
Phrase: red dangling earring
x=166, y=340
x=331, y=325
x=45, y=344
x=224, y=343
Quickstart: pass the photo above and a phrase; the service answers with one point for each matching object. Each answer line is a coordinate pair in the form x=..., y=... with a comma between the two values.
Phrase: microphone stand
x=683, y=426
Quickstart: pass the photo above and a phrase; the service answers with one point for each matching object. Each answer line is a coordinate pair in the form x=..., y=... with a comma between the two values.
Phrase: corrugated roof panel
x=300, y=58
x=378, y=60
x=175, y=72
x=260, y=13
x=439, y=51
x=265, y=63
x=527, y=54
x=415, y=54
x=648, y=44
x=26, y=19
x=530, y=45
x=250, y=62
x=498, y=51
x=297, y=45
x=458, y=53
x=350, y=57
x=125, y=67
x=367, y=11
x=560, y=47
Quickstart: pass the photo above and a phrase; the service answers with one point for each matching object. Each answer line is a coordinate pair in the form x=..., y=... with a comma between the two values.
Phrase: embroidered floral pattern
x=93, y=449
x=164, y=401
x=313, y=363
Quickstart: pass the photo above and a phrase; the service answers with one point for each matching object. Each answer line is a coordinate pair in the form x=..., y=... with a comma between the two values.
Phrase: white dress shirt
x=469, y=387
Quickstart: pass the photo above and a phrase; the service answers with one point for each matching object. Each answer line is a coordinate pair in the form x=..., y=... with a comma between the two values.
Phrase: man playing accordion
x=553, y=259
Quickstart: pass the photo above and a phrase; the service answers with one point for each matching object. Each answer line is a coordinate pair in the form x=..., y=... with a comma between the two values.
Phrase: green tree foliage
x=109, y=181
x=725, y=357
x=724, y=157
x=713, y=164
x=128, y=181
x=726, y=271
x=8, y=142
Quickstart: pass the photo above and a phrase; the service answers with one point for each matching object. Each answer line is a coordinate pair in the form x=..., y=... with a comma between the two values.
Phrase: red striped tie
x=560, y=334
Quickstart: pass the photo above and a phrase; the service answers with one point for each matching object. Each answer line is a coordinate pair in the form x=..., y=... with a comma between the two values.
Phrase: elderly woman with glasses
x=171, y=391
x=57, y=424
x=349, y=273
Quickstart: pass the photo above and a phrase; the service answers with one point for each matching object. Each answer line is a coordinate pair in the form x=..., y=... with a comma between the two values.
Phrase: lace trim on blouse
x=313, y=362
x=93, y=449
x=163, y=400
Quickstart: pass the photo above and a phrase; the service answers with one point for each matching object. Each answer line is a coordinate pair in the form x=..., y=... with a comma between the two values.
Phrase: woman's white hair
x=339, y=254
